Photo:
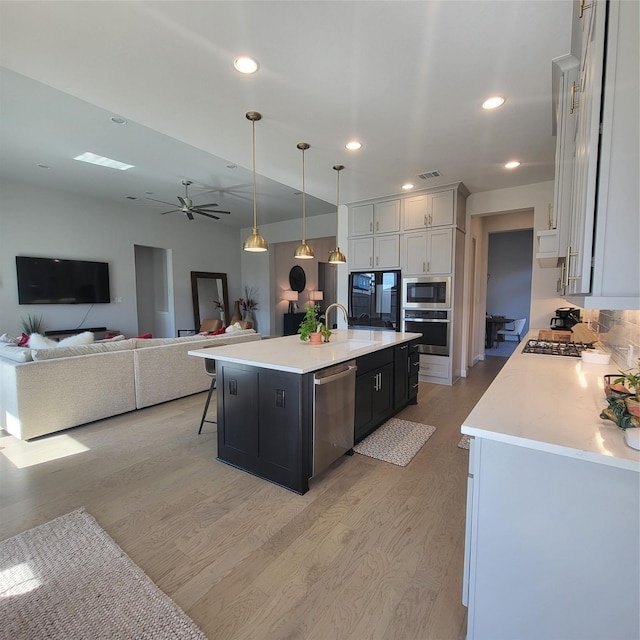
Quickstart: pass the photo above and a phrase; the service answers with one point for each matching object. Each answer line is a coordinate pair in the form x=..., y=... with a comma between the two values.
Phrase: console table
x=292, y=323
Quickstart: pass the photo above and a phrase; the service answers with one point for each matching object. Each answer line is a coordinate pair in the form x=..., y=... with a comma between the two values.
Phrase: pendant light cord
x=304, y=205
x=253, y=130
x=337, y=207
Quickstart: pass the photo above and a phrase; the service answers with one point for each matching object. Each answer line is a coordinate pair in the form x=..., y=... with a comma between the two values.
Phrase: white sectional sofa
x=47, y=390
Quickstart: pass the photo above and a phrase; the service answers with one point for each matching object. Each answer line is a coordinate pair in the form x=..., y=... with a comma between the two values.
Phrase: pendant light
x=255, y=242
x=336, y=256
x=304, y=251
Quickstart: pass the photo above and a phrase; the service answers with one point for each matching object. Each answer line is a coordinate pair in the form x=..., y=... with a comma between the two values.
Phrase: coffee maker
x=565, y=318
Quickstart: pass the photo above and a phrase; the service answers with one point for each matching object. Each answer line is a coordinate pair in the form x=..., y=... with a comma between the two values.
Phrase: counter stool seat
x=210, y=368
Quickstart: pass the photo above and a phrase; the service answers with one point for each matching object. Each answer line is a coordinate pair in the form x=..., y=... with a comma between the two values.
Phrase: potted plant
x=631, y=380
x=32, y=324
x=324, y=329
x=310, y=327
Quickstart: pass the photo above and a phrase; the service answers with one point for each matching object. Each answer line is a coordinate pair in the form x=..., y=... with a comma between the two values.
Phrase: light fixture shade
x=255, y=242
x=291, y=296
x=316, y=295
x=336, y=256
x=304, y=252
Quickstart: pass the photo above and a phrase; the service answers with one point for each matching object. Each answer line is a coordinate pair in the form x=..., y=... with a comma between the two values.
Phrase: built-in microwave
x=425, y=292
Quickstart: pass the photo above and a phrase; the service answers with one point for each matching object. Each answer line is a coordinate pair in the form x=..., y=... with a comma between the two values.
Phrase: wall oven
x=425, y=292
x=435, y=327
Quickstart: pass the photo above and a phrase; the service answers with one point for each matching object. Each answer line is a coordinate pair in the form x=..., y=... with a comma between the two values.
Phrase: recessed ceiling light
x=118, y=120
x=512, y=165
x=231, y=166
x=354, y=145
x=92, y=158
x=493, y=103
x=407, y=186
x=43, y=166
x=245, y=64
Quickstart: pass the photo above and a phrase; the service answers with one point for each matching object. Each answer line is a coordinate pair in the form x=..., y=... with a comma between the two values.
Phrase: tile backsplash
x=619, y=333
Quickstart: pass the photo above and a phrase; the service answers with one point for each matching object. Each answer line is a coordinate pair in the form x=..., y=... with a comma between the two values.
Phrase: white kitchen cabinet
x=429, y=210
x=428, y=252
x=438, y=367
x=379, y=217
x=600, y=268
x=553, y=241
x=375, y=252
x=551, y=547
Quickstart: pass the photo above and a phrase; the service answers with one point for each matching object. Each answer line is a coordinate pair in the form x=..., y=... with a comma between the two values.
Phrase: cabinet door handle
x=371, y=227
x=424, y=266
x=428, y=266
x=370, y=261
x=426, y=222
x=377, y=225
x=377, y=260
x=573, y=101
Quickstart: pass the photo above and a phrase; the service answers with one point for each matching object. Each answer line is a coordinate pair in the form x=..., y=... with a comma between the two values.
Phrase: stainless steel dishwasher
x=334, y=392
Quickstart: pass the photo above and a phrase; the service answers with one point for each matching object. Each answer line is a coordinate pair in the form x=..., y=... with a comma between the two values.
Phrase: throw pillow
x=36, y=341
x=24, y=340
x=5, y=337
x=145, y=336
x=86, y=337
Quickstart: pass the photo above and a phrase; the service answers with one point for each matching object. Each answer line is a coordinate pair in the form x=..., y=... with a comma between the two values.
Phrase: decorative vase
x=236, y=316
x=250, y=316
x=315, y=338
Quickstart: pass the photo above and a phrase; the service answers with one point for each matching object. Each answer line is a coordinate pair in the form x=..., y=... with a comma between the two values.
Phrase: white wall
x=520, y=208
x=51, y=223
x=259, y=269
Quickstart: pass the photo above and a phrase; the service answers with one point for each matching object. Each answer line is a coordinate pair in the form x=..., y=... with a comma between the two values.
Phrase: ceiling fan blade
x=199, y=210
x=211, y=204
x=189, y=215
x=182, y=201
x=172, y=211
x=209, y=215
x=171, y=204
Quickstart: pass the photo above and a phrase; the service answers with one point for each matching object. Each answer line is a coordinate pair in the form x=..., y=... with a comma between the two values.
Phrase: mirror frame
x=197, y=275
x=297, y=279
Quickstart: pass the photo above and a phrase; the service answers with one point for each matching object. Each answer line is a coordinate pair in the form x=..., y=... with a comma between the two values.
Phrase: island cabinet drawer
x=374, y=360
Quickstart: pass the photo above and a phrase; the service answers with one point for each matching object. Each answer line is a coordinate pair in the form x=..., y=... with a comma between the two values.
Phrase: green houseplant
x=624, y=402
x=31, y=324
x=310, y=322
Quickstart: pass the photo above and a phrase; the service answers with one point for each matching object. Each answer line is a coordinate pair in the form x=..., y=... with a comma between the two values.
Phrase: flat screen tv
x=57, y=281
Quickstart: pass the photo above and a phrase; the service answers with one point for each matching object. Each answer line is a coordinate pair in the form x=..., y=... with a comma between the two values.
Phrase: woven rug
x=396, y=441
x=464, y=443
x=67, y=579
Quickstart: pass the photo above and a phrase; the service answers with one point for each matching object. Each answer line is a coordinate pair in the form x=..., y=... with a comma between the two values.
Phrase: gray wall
x=52, y=223
x=509, y=274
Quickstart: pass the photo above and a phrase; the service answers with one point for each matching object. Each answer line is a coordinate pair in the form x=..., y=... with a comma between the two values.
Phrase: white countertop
x=552, y=404
x=295, y=356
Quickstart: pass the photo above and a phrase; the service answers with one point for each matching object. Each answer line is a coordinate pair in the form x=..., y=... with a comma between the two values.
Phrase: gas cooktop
x=556, y=348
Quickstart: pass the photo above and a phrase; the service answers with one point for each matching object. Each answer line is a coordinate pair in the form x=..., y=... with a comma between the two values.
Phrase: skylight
x=93, y=158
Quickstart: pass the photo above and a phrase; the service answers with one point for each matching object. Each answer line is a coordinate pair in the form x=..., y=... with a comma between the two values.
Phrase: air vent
x=131, y=197
x=427, y=175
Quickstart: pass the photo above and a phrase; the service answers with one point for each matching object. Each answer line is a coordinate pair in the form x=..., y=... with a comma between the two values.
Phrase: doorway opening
x=154, y=291
x=509, y=271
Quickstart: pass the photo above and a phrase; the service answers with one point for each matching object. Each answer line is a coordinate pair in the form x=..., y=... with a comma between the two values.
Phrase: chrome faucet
x=339, y=306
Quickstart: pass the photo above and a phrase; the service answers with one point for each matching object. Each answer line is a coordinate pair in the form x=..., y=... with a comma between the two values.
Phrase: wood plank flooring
x=372, y=551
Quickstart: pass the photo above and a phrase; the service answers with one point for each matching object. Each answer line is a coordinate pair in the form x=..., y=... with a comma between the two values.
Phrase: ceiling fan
x=187, y=207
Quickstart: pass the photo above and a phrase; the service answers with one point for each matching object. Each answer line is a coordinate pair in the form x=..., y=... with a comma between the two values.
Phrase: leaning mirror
x=210, y=297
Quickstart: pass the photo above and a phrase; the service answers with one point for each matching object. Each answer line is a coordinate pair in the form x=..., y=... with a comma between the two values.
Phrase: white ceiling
x=406, y=78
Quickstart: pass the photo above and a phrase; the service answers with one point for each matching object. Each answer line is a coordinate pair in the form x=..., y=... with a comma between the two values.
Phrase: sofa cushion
x=81, y=350
x=15, y=353
x=159, y=342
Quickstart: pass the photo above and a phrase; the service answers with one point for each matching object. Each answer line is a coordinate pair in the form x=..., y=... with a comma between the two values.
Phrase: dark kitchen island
x=265, y=393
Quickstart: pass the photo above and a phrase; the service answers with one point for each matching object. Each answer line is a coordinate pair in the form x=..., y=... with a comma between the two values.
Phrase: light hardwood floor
x=371, y=551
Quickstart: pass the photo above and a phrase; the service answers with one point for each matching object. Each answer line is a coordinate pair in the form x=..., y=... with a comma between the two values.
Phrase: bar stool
x=210, y=368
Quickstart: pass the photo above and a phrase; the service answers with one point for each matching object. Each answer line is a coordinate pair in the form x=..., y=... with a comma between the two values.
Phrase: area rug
x=396, y=441
x=67, y=579
x=464, y=443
